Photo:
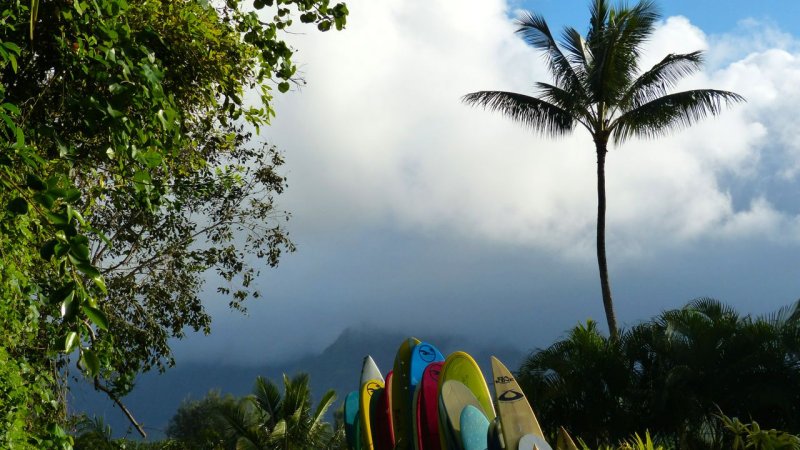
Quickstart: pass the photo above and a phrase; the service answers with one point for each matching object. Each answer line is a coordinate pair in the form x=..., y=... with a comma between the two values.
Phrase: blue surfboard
x=421, y=355
x=352, y=430
x=474, y=428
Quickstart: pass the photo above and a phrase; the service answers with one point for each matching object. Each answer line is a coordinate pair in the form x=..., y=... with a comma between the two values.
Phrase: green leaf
x=35, y=183
x=152, y=159
x=113, y=112
x=70, y=341
x=97, y=317
x=18, y=206
x=88, y=269
x=45, y=199
x=48, y=249
x=61, y=249
x=79, y=247
x=57, y=219
x=12, y=108
x=101, y=284
x=91, y=361
x=72, y=195
x=69, y=306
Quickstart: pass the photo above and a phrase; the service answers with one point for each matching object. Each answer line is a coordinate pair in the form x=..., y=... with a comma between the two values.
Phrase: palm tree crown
x=597, y=83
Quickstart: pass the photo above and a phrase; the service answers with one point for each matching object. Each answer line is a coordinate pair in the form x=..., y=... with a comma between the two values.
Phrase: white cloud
x=380, y=136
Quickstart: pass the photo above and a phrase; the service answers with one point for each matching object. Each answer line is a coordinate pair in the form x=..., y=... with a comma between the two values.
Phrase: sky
x=414, y=212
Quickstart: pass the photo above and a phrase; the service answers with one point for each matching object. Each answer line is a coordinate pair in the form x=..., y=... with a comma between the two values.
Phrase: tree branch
x=119, y=403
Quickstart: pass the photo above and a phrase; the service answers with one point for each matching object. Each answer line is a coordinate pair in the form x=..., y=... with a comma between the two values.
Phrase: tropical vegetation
x=128, y=165
x=672, y=375
x=598, y=84
x=268, y=419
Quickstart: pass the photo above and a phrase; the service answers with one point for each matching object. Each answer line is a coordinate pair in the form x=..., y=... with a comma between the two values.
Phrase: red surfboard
x=379, y=420
x=427, y=414
x=389, y=403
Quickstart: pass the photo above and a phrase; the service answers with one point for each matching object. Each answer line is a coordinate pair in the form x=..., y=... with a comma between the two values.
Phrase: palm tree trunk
x=605, y=285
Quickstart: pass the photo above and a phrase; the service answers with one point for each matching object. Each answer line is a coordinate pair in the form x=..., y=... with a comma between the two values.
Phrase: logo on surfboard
x=510, y=395
x=426, y=353
x=503, y=380
x=372, y=387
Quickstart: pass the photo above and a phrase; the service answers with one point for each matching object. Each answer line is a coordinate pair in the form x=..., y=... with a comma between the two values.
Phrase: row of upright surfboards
x=429, y=402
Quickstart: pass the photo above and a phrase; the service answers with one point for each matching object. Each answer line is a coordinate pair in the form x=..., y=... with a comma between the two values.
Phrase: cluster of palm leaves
x=269, y=419
x=672, y=375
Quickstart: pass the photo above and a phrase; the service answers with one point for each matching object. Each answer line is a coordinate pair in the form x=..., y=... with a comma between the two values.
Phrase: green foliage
x=634, y=442
x=750, y=436
x=198, y=424
x=670, y=375
x=122, y=127
x=269, y=419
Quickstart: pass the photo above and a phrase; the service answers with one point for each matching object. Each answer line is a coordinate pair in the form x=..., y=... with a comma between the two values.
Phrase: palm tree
x=267, y=420
x=582, y=383
x=598, y=84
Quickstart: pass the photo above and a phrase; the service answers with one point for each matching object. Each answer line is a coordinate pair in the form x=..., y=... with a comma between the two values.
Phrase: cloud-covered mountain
x=157, y=397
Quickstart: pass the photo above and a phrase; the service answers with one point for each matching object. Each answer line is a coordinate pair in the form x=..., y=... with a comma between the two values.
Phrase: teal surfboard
x=352, y=430
x=474, y=429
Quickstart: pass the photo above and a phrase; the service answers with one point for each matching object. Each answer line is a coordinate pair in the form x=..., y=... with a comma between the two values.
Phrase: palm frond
x=599, y=10
x=567, y=101
x=663, y=76
x=324, y=404
x=616, y=49
x=678, y=110
x=535, y=31
x=578, y=53
x=267, y=398
x=532, y=112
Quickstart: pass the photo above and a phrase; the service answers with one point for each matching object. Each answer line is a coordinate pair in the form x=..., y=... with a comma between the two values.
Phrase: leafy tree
x=198, y=424
x=579, y=383
x=126, y=172
x=671, y=375
x=693, y=361
x=598, y=85
x=269, y=419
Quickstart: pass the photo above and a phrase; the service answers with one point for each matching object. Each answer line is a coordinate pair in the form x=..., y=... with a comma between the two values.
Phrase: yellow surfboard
x=459, y=366
x=402, y=396
x=516, y=415
x=367, y=390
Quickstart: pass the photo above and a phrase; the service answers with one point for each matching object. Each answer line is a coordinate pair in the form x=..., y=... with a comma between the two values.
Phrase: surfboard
x=565, y=441
x=401, y=395
x=351, y=421
x=380, y=426
x=455, y=396
x=474, y=429
x=516, y=415
x=370, y=371
x=421, y=355
x=427, y=409
x=460, y=367
x=532, y=442
x=368, y=389
x=494, y=435
x=388, y=387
